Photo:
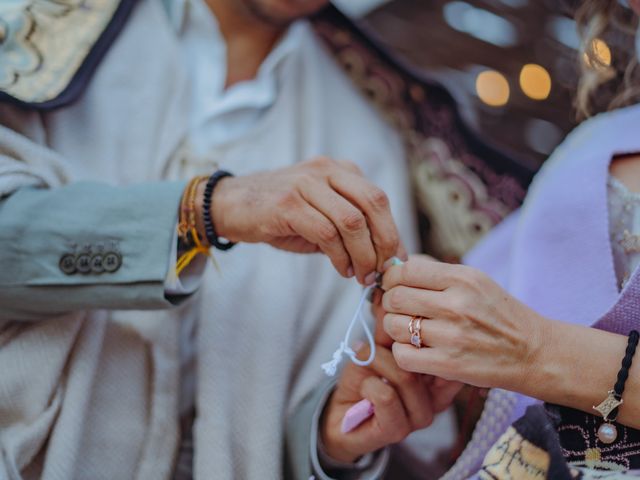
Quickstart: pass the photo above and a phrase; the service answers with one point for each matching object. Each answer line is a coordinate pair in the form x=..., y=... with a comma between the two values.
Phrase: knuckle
x=378, y=198
x=353, y=222
x=471, y=276
x=288, y=200
x=389, y=243
x=323, y=162
x=351, y=166
x=395, y=299
x=327, y=233
x=386, y=396
x=304, y=179
x=459, y=305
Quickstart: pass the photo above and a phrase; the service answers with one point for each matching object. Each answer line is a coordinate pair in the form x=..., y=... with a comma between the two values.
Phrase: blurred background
x=511, y=64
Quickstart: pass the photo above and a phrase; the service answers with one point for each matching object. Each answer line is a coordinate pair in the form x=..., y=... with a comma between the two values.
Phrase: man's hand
x=317, y=206
x=403, y=401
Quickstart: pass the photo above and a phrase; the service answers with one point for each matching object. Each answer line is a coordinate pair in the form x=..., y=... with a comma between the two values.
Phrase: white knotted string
x=330, y=368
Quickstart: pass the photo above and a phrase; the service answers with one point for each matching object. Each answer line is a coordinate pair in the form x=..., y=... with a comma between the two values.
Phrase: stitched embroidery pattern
x=444, y=168
x=43, y=43
x=581, y=447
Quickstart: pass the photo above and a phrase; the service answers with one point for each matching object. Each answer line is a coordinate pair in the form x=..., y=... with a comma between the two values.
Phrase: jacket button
x=68, y=264
x=83, y=263
x=111, y=262
x=97, y=264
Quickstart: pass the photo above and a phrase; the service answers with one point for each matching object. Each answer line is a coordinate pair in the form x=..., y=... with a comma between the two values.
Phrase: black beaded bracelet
x=607, y=433
x=209, y=229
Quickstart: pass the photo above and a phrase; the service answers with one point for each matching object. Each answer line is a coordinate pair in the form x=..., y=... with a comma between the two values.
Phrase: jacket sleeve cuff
x=178, y=287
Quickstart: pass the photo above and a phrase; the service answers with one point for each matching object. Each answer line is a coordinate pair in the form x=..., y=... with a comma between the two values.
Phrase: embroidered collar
x=39, y=73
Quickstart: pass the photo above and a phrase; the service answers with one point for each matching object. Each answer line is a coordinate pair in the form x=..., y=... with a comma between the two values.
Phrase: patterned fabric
x=581, y=447
x=45, y=43
x=463, y=187
x=558, y=443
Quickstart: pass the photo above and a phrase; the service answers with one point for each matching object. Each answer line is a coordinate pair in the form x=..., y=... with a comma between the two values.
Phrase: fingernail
x=370, y=279
x=350, y=272
x=393, y=261
x=357, y=345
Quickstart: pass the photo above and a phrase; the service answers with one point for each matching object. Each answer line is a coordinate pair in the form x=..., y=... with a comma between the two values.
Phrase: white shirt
x=217, y=115
x=267, y=322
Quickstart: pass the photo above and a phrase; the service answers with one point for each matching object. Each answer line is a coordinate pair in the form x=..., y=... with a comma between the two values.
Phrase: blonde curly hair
x=605, y=86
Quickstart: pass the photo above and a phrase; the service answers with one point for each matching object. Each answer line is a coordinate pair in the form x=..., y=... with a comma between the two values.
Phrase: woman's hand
x=475, y=332
x=321, y=205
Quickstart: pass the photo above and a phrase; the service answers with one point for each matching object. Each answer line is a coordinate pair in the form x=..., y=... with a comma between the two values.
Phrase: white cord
x=330, y=368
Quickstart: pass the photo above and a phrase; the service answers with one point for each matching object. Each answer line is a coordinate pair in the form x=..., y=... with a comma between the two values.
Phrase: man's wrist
x=221, y=206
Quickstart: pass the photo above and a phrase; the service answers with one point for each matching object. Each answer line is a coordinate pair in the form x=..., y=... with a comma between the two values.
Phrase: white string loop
x=330, y=368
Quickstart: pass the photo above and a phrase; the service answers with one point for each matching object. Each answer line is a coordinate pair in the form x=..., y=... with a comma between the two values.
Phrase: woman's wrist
x=541, y=370
x=576, y=367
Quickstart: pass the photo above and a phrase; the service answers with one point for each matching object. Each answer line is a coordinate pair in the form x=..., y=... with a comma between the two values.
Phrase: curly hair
x=606, y=85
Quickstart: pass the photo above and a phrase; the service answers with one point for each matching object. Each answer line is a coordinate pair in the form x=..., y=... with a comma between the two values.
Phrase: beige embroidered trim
x=43, y=43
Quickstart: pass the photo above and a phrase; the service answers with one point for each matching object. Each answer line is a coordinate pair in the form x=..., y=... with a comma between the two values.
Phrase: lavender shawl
x=554, y=254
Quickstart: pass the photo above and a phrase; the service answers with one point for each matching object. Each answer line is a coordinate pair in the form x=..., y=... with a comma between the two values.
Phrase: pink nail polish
x=357, y=414
x=350, y=272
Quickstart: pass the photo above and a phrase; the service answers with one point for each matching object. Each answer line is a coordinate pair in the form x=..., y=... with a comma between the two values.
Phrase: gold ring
x=415, y=326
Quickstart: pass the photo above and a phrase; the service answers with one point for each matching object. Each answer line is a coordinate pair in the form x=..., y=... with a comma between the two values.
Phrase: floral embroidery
x=445, y=169
x=43, y=43
x=18, y=54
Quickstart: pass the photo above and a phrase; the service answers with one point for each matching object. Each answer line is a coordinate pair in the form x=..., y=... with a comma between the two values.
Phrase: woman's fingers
x=411, y=387
x=414, y=301
x=374, y=203
x=423, y=272
x=430, y=361
x=390, y=417
x=349, y=221
x=433, y=332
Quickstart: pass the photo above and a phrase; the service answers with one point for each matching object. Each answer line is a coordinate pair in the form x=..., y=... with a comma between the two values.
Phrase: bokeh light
x=493, y=88
x=535, y=81
x=602, y=54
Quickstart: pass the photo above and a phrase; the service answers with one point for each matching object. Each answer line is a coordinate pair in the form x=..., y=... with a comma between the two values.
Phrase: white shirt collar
x=204, y=53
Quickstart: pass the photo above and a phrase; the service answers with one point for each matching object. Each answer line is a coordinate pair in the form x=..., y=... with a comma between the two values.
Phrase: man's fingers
x=349, y=221
x=411, y=387
x=390, y=418
x=443, y=394
x=423, y=272
x=351, y=167
x=375, y=205
x=315, y=228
